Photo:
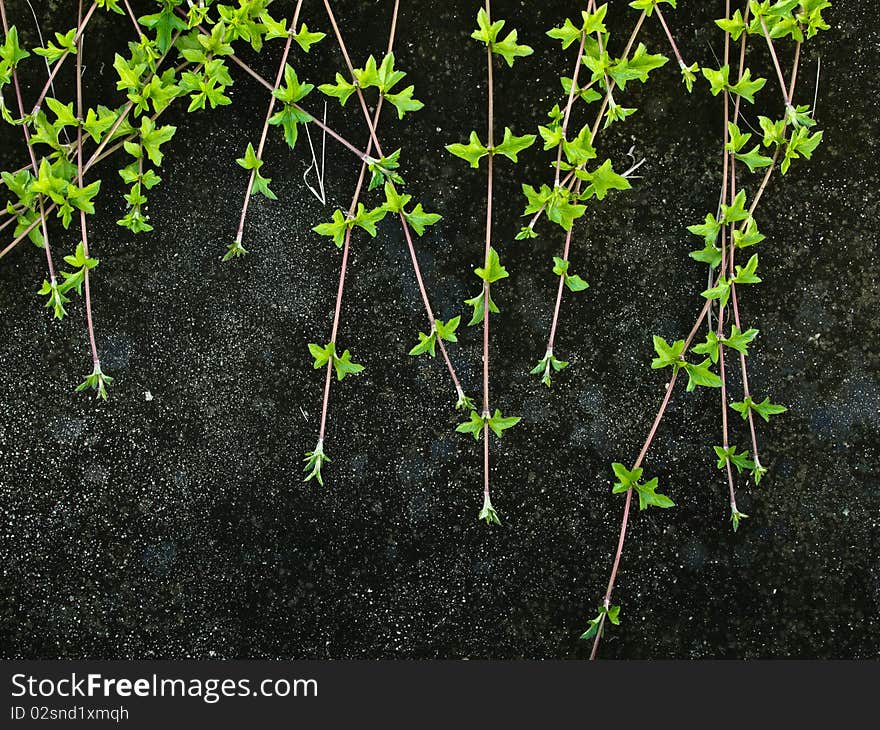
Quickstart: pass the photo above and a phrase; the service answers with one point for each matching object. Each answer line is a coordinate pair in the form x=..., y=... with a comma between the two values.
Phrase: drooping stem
x=728, y=165
x=672, y=42
x=265, y=131
x=328, y=379
x=33, y=157
x=486, y=254
x=403, y=222
x=80, y=113
x=570, y=103
x=561, y=288
x=786, y=96
x=57, y=67
x=642, y=453
x=608, y=98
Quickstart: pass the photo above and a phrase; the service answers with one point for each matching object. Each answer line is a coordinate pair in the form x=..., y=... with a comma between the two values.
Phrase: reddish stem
x=265, y=131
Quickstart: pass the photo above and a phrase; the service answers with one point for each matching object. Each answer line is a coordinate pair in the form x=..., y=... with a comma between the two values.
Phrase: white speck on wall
x=148, y=396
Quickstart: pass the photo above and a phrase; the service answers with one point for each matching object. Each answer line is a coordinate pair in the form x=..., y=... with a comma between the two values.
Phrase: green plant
x=731, y=228
x=384, y=172
x=489, y=33
x=577, y=179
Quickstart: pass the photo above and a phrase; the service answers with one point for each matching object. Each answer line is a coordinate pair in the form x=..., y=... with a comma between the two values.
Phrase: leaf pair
x=341, y=363
x=497, y=423
x=441, y=330
x=631, y=479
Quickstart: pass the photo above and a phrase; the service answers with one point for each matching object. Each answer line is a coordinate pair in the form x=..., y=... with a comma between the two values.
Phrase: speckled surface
x=176, y=524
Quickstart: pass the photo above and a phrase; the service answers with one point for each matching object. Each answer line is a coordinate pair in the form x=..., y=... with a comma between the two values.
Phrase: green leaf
x=754, y=159
x=764, y=409
x=261, y=186
x=748, y=237
x=709, y=230
x=341, y=90
x=250, y=161
x=488, y=512
x=66, y=43
x=580, y=149
x=735, y=25
x=637, y=67
x=719, y=79
x=385, y=169
x=631, y=479
x=152, y=138
x=473, y=426
x=335, y=229
x=395, y=202
x=314, y=461
x=701, y=375
x=404, y=102
x=164, y=23
x=427, y=344
x=567, y=33
x=738, y=340
x=306, y=39
x=55, y=298
x=512, y=145
x=292, y=91
x=547, y=364
x=746, y=274
x=572, y=281
x=648, y=5
x=689, y=75
x=736, y=516
x=737, y=138
x=97, y=381
x=499, y=424
x=667, y=355
x=721, y=291
x=510, y=50
x=739, y=460
x=479, y=306
x=746, y=87
x=446, y=330
x=616, y=113
x=420, y=220
x=11, y=52
x=473, y=152
x=367, y=219
x=736, y=211
x=603, y=179
x=493, y=270
x=709, y=347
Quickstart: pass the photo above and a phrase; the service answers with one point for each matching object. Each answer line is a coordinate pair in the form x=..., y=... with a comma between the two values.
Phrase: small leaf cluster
x=496, y=422
x=596, y=625
x=342, y=364
x=632, y=479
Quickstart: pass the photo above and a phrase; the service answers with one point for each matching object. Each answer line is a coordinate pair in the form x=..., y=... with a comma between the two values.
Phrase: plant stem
x=265, y=131
x=33, y=157
x=728, y=166
x=561, y=289
x=570, y=103
x=80, y=113
x=626, y=508
x=607, y=99
x=404, y=225
x=786, y=96
x=328, y=379
x=672, y=43
x=79, y=31
x=486, y=250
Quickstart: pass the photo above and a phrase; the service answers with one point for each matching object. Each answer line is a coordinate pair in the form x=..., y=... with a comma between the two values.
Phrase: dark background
x=180, y=527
